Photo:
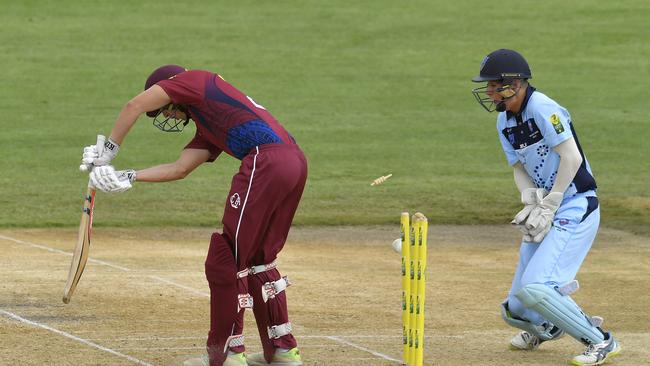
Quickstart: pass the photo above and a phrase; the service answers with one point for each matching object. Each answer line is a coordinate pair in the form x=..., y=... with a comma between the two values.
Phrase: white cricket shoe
x=529, y=342
x=597, y=354
x=233, y=359
x=280, y=358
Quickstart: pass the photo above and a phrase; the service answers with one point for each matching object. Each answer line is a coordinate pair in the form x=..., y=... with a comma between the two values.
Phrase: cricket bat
x=80, y=255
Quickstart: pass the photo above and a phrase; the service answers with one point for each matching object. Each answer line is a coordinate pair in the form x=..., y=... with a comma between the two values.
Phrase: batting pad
x=536, y=330
x=561, y=310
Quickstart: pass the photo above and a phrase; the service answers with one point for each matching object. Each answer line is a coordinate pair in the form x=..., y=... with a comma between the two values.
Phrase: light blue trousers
x=557, y=259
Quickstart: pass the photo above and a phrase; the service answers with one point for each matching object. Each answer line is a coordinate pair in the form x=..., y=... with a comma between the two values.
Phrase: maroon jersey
x=226, y=119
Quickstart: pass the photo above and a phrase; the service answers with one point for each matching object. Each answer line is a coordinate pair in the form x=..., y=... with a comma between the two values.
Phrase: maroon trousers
x=263, y=199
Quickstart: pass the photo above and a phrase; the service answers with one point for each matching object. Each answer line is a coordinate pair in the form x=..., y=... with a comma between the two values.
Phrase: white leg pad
x=278, y=331
x=270, y=289
x=560, y=310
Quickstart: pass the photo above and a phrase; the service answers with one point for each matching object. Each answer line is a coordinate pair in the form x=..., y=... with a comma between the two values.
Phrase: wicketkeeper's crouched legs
x=221, y=274
x=270, y=309
x=556, y=305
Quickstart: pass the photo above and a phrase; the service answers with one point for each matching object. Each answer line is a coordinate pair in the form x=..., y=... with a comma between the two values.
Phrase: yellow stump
x=421, y=244
x=414, y=257
x=405, y=229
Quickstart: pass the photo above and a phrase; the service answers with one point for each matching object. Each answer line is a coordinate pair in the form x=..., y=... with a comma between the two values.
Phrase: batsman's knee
x=220, y=267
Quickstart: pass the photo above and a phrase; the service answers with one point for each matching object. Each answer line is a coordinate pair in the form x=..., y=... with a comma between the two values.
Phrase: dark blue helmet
x=503, y=64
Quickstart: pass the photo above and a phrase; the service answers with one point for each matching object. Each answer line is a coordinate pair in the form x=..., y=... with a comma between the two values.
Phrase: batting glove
x=107, y=179
x=108, y=153
x=540, y=220
x=89, y=155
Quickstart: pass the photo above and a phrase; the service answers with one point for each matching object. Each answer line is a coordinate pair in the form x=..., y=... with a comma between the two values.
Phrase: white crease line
x=53, y=250
x=68, y=335
x=337, y=339
x=299, y=337
x=194, y=291
x=149, y=338
x=158, y=348
x=302, y=346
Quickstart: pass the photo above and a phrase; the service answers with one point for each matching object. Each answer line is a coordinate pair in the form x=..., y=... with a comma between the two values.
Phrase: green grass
x=367, y=88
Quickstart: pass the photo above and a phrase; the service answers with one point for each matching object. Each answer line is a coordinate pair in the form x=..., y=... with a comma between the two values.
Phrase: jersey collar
x=529, y=91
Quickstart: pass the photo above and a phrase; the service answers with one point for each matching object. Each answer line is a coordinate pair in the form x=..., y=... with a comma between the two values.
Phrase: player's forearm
x=125, y=120
x=570, y=160
x=162, y=173
x=522, y=179
x=149, y=100
x=189, y=160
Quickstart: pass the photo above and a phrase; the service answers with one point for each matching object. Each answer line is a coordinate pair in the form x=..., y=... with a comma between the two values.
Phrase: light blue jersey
x=530, y=136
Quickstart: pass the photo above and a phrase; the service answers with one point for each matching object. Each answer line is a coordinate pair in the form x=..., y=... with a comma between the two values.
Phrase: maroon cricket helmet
x=161, y=73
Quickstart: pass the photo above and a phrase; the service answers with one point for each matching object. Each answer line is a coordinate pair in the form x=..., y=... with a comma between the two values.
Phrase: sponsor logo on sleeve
x=555, y=121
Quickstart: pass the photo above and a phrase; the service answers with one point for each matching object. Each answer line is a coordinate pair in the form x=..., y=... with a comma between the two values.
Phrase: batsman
x=561, y=213
x=240, y=266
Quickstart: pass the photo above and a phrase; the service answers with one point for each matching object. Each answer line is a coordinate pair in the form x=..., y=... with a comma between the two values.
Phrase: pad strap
x=270, y=289
x=263, y=268
x=234, y=341
x=244, y=301
x=569, y=288
x=278, y=331
x=597, y=321
x=256, y=269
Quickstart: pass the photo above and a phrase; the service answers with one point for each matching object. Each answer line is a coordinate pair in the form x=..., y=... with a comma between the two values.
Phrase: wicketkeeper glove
x=540, y=220
x=529, y=199
x=107, y=179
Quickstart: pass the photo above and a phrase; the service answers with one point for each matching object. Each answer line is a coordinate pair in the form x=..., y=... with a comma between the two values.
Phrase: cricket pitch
x=144, y=298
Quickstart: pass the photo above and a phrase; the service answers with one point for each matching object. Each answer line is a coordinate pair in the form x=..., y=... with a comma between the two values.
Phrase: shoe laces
x=529, y=339
x=590, y=349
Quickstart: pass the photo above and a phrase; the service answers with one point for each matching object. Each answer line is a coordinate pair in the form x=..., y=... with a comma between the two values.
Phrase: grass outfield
x=369, y=88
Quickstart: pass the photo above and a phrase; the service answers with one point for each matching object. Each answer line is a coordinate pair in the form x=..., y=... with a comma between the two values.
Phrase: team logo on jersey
x=235, y=200
x=555, y=121
x=523, y=134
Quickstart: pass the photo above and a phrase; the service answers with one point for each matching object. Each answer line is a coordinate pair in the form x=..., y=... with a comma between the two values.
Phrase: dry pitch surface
x=144, y=300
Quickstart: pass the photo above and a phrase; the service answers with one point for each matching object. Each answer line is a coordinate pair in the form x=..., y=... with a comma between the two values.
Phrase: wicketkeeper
x=240, y=266
x=560, y=217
